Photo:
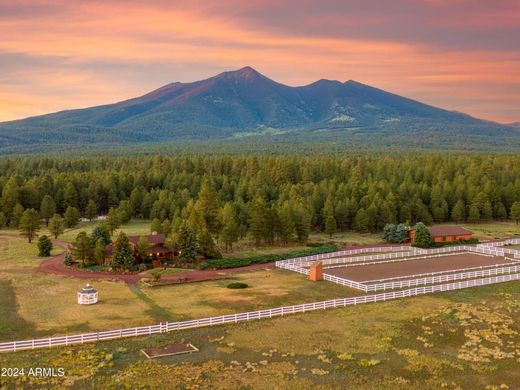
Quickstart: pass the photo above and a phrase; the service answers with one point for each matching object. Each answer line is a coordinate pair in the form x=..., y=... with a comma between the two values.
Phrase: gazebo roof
x=88, y=289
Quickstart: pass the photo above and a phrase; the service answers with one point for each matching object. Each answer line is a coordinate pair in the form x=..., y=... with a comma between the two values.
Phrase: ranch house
x=158, y=249
x=447, y=234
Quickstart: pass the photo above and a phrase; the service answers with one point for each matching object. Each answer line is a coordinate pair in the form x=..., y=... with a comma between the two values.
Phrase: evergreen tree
x=29, y=223
x=44, y=246
x=188, y=243
x=287, y=224
x=101, y=233
x=229, y=233
x=515, y=212
x=330, y=225
x=91, y=210
x=10, y=198
x=207, y=246
x=113, y=220
x=422, y=238
x=67, y=260
x=156, y=226
x=83, y=248
x=258, y=220
x=361, y=221
x=474, y=214
x=122, y=255
x=3, y=219
x=208, y=205
x=99, y=252
x=47, y=208
x=458, y=214
x=56, y=226
x=302, y=222
x=16, y=215
x=143, y=248
x=71, y=217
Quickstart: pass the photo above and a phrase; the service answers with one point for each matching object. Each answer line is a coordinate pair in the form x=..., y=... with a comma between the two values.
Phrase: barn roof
x=437, y=231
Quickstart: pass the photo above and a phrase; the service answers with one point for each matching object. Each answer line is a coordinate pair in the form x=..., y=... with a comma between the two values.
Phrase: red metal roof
x=437, y=231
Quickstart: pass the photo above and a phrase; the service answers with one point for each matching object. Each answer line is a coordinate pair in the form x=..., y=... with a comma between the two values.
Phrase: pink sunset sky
x=456, y=54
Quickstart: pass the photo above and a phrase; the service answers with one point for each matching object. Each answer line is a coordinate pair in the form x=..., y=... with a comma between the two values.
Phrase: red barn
x=447, y=234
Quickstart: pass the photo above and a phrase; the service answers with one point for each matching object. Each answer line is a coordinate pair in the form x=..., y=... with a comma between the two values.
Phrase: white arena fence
x=414, y=281
x=406, y=253
x=248, y=316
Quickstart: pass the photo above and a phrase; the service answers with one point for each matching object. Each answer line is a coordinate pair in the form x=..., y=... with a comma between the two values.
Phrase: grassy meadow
x=467, y=339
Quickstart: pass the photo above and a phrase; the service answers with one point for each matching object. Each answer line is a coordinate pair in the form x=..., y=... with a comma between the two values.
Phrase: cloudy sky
x=457, y=54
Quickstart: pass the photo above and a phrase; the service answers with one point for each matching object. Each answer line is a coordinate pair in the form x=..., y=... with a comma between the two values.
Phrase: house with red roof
x=446, y=234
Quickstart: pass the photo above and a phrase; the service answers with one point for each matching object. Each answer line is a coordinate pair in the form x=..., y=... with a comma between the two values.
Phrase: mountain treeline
x=266, y=198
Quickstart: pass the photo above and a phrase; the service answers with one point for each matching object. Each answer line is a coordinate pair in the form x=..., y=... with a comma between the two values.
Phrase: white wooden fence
x=441, y=278
x=248, y=316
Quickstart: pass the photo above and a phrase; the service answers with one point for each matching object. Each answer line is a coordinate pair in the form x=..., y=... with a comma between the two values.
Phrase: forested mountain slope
x=245, y=103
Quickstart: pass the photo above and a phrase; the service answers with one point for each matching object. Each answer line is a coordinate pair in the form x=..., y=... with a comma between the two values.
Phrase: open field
x=466, y=339
x=407, y=268
x=43, y=304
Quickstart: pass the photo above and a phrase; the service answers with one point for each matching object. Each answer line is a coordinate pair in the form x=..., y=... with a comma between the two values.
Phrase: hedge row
x=232, y=262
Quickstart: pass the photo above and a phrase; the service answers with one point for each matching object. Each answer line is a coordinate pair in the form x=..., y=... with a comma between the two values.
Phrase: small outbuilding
x=87, y=296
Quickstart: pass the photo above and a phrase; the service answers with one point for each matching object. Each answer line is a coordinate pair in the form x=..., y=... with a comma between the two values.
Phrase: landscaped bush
x=261, y=259
x=237, y=285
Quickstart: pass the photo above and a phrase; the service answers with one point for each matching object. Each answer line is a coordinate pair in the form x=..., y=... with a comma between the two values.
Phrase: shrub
x=261, y=259
x=44, y=246
x=156, y=274
x=237, y=285
x=68, y=259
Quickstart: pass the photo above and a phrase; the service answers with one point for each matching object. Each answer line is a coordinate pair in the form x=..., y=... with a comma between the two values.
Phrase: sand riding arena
x=391, y=268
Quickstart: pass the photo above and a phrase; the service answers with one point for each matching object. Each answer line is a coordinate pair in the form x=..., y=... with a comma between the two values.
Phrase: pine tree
x=188, y=243
x=44, y=246
x=228, y=219
x=330, y=226
x=122, y=255
x=10, y=198
x=207, y=246
x=83, y=248
x=3, y=219
x=56, y=226
x=156, y=226
x=71, y=217
x=258, y=220
x=458, y=214
x=362, y=221
x=422, y=237
x=113, y=220
x=302, y=222
x=99, y=252
x=208, y=205
x=143, y=248
x=91, y=210
x=287, y=223
x=474, y=214
x=515, y=212
x=16, y=215
x=47, y=208
x=101, y=233
x=29, y=223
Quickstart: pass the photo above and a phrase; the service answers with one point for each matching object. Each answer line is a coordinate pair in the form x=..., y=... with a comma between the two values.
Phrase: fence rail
x=248, y=316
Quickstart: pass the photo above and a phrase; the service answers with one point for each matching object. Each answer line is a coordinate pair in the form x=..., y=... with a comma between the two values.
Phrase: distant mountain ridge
x=244, y=103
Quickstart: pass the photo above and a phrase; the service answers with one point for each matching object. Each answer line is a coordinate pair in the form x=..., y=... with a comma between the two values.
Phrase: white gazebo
x=87, y=296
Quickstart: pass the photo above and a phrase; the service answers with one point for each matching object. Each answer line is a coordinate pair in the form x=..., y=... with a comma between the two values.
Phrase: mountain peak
x=245, y=73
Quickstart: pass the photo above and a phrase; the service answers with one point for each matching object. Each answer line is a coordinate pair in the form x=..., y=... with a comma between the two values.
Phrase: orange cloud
x=100, y=52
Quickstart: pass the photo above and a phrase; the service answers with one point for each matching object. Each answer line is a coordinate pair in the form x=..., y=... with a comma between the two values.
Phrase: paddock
x=408, y=268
